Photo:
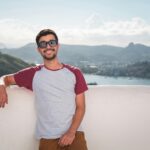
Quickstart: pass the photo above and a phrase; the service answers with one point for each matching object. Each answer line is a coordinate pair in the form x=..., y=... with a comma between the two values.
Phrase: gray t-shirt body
x=55, y=93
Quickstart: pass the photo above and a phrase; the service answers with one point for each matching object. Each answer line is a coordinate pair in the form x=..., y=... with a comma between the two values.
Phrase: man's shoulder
x=71, y=67
x=33, y=68
x=37, y=67
x=30, y=70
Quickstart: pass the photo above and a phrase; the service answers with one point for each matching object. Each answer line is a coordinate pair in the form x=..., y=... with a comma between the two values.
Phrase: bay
x=105, y=80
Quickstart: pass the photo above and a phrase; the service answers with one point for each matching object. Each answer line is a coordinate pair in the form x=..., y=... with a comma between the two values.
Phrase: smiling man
x=59, y=92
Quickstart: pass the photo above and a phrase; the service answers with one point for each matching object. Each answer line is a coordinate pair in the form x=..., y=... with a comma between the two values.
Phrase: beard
x=53, y=56
x=49, y=58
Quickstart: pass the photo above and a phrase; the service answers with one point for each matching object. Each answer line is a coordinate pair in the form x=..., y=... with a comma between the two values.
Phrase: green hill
x=9, y=64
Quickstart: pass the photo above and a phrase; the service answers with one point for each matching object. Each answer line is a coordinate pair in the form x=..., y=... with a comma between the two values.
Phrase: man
x=59, y=93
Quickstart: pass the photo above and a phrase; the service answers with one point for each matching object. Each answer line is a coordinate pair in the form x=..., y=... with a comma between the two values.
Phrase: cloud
x=122, y=32
x=14, y=33
x=94, y=20
x=135, y=26
x=94, y=31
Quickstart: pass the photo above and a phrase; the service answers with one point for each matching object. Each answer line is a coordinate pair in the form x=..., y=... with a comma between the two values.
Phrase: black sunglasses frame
x=43, y=44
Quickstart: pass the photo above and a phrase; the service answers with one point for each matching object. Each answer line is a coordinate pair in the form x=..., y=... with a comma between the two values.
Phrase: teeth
x=49, y=50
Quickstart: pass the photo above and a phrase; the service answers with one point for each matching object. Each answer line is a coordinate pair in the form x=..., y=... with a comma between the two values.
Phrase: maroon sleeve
x=24, y=77
x=80, y=85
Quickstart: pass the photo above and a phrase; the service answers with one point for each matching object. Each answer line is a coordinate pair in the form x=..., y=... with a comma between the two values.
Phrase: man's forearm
x=77, y=119
x=79, y=113
x=7, y=80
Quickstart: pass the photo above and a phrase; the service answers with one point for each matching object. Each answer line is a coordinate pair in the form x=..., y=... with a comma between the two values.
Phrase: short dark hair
x=45, y=32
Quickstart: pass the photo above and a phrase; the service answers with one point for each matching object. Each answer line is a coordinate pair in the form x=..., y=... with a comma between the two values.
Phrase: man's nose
x=48, y=45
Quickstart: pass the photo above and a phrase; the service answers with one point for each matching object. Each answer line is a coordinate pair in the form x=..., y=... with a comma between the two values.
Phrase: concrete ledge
x=117, y=118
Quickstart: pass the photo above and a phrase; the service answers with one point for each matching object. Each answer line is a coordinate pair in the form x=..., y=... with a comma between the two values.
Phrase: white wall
x=117, y=118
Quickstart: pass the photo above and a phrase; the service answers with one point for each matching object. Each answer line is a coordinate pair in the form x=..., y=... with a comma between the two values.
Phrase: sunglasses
x=43, y=44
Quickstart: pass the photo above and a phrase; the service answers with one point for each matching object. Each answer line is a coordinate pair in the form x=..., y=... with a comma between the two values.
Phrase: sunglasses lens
x=52, y=43
x=42, y=44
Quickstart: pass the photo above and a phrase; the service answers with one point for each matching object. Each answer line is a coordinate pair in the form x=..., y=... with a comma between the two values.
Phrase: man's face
x=49, y=52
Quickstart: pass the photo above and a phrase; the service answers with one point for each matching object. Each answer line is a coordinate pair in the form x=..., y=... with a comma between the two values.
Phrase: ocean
x=105, y=80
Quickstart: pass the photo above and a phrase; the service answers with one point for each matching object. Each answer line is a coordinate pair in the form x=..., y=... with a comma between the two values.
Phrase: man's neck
x=53, y=64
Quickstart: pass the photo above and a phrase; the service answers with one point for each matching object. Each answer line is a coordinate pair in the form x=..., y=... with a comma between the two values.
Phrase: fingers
x=66, y=140
x=63, y=142
x=3, y=97
x=3, y=101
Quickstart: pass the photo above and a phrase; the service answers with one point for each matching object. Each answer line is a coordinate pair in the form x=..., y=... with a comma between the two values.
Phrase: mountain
x=2, y=45
x=67, y=53
x=92, y=54
x=27, y=53
x=83, y=54
x=9, y=64
x=133, y=60
x=134, y=53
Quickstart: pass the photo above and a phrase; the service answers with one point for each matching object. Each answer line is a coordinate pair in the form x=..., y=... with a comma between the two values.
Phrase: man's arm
x=68, y=137
x=5, y=81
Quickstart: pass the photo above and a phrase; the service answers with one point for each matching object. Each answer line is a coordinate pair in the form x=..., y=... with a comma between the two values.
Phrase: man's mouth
x=49, y=50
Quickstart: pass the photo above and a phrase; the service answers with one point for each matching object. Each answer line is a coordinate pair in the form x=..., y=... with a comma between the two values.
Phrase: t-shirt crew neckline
x=54, y=69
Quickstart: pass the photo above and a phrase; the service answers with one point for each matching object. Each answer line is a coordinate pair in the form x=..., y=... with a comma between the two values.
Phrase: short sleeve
x=80, y=85
x=24, y=77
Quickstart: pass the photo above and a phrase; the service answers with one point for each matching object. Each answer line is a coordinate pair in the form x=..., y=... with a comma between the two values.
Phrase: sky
x=84, y=22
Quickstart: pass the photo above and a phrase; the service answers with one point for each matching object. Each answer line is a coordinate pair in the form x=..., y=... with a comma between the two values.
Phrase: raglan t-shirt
x=55, y=92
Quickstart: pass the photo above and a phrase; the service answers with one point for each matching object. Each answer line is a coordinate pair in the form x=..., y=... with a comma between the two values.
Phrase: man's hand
x=3, y=96
x=67, y=139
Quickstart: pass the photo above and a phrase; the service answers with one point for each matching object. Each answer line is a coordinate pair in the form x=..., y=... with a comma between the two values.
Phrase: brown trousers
x=79, y=143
